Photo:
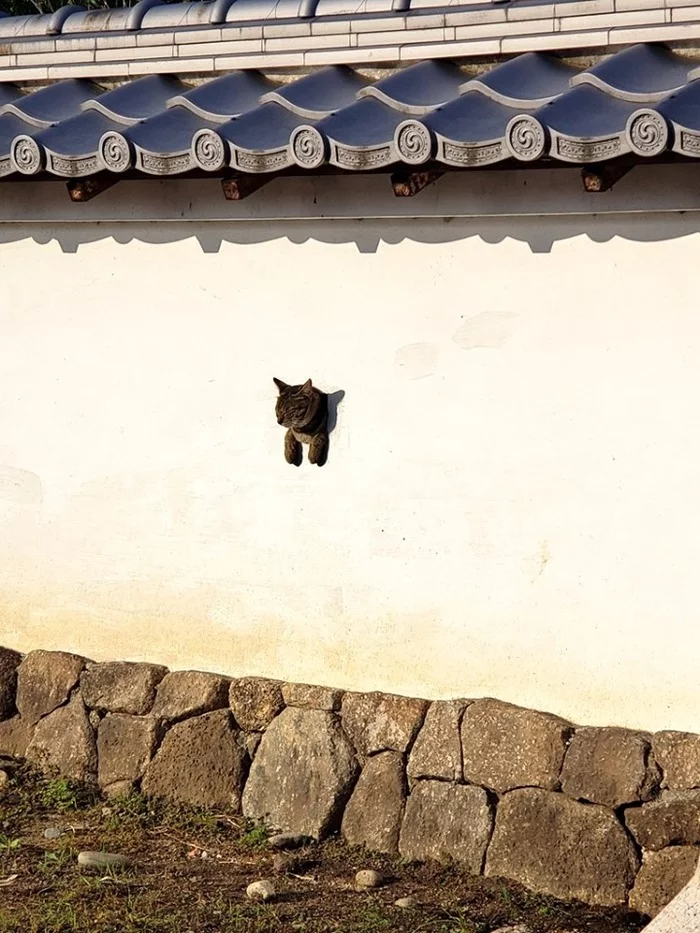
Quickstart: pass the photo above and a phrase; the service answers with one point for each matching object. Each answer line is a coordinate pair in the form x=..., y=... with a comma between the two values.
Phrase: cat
x=303, y=410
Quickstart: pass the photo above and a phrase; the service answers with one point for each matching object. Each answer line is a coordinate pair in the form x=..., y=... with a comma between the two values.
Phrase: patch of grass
x=135, y=811
x=60, y=795
x=373, y=915
x=459, y=924
x=255, y=835
x=29, y=793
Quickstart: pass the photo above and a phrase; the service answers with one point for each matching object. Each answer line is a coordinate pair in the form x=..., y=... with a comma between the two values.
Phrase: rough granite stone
x=555, y=846
x=103, y=861
x=678, y=756
x=609, y=766
x=121, y=686
x=378, y=722
x=201, y=761
x=15, y=736
x=255, y=702
x=506, y=746
x=437, y=752
x=125, y=745
x=64, y=741
x=373, y=815
x=682, y=913
x=44, y=682
x=119, y=789
x=190, y=693
x=9, y=662
x=673, y=819
x=302, y=774
x=662, y=876
x=446, y=821
x=308, y=696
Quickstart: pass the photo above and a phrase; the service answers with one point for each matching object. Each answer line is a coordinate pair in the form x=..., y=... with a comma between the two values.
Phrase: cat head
x=296, y=405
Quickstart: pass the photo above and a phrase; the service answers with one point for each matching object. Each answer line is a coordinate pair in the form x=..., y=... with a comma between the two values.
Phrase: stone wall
x=609, y=816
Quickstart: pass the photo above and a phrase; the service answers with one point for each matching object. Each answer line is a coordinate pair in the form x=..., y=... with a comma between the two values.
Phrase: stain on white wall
x=510, y=505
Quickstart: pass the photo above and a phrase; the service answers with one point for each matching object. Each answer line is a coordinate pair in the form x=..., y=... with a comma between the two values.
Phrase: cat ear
x=280, y=385
x=307, y=387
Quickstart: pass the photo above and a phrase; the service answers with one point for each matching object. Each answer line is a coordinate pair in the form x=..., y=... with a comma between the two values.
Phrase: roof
x=224, y=35
x=643, y=101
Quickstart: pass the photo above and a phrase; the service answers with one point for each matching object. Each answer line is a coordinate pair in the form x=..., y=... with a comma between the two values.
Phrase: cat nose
x=280, y=420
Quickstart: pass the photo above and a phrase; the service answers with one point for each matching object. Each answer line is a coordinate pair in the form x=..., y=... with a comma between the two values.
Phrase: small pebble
x=288, y=841
x=406, y=902
x=517, y=928
x=4, y=779
x=260, y=891
x=102, y=860
x=52, y=833
x=284, y=862
x=368, y=878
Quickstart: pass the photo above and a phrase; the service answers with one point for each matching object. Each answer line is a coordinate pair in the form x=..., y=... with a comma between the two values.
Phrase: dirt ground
x=191, y=868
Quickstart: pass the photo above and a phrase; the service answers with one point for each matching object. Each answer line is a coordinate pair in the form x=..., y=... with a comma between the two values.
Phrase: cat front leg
x=318, y=448
x=292, y=449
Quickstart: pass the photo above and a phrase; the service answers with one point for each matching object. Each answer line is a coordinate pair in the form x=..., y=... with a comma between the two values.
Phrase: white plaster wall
x=510, y=506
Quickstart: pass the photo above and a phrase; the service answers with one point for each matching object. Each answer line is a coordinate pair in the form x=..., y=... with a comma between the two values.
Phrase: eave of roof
x=641, y=103
x=222, y=35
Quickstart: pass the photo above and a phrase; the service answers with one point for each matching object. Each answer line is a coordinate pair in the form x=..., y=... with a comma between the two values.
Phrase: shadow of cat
x=334, y=399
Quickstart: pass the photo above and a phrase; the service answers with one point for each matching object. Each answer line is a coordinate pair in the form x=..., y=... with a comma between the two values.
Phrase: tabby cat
x=303, y=410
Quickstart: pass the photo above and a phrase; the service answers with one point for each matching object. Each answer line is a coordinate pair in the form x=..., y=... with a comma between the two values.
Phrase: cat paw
x=318, y=453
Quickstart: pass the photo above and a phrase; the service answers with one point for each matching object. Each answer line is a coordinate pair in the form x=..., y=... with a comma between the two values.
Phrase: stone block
x=678, y=756
x=609, y=766
x=44, y=682
x=307, y=696
x=119, y=789
x=9, y=662
x=437, y=752
x=555, y=846
x=15, y=736
x=682, y=913
x=673, y=819
x=446, y=822
x=181, y=694
x=373, y=815
x=200, y=762
x=662, y=876
x=125, y=746
x=378, y=722
x=64, y=741
x=255, y=702
x=121, y=686
x=302, y=775
x=506, y=746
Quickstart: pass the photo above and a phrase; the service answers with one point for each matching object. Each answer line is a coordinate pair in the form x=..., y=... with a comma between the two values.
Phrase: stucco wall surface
x=510, y=503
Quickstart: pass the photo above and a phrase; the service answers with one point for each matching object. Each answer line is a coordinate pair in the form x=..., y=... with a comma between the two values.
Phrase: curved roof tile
x=532, y=107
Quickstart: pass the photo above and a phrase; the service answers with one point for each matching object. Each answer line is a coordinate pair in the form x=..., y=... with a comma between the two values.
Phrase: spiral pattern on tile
x=308, y=147
x=208, y=150
x=116, y=152
x=525, y=138
x=647, y=133
x=27, y=155
x=414, y=142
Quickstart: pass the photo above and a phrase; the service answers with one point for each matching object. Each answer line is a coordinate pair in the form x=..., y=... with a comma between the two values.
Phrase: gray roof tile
x=532, y=79
x=643, y=73
x=419, y=88
x=53, y=103
x=319, y=94
x=226, y=97
x=644, y=101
